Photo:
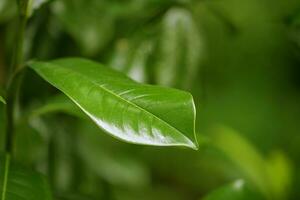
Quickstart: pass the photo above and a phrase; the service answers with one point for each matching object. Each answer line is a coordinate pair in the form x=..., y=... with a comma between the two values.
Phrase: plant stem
x=15, y=77
x=12, y=92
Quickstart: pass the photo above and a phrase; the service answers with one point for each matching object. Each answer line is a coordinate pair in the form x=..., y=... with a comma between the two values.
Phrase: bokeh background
x=239, y=59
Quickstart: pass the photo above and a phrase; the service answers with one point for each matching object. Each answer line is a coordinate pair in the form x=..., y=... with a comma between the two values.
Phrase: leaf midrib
x=128, y=102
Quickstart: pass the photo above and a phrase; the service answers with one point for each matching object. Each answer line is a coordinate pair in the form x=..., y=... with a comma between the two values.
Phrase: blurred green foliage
x=235, y=191
x=239, y=59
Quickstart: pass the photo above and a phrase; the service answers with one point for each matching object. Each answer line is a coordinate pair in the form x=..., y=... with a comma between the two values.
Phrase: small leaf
x=280, y=170
x=59, y=103
x=121, y=55
x=34, y=5
x=116, y=167
x=235, y=191
x=138, y=66
x=132, y=56
x=180, y=49
x=136, y=113
x=271, y=176
x=2, y=127
x=17, y=183
x=2, y=100
x=295, y=30
x=244, y=156
x=90, y=24
x=30, y=146
x=8, y=9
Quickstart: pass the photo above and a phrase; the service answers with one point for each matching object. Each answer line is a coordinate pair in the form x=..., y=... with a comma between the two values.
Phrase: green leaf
x=2, y=100
x=2, y=127
x=235, y=191
x=30, y=146
x=116, y=167
x=34, y=5
x=7, y=10
x=295, y=29
x=17, y=183
x=271, y=176
x=180, y=49
x=279, y=169
x=58, y=103
x=90, y=24
x=244, y=156
x=131, y=56
x=137, y=69
x=136, y=113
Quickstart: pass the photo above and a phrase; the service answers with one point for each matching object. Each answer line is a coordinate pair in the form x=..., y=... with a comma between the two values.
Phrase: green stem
x=15, y=78
x=12, y=93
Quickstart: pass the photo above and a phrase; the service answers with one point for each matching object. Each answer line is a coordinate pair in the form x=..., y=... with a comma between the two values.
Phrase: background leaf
x=180, y=49
x=280, y=165
x=257, y=170
x=58, y=103
x=244, y=156
x=235, y=191
x=34, y=5
x=2, y=100
x=104, y=94
x=93, y=31
x=115, y=167
x=7, y=10
x=18, y=183
x=30, y=149
x=2, y=126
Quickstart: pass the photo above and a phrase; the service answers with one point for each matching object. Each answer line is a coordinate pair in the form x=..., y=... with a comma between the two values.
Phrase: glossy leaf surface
x=133, y=112
x=17, y=183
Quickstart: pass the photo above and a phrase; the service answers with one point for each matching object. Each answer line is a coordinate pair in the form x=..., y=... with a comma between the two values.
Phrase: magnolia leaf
x=133, y=112
x=17, y=183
